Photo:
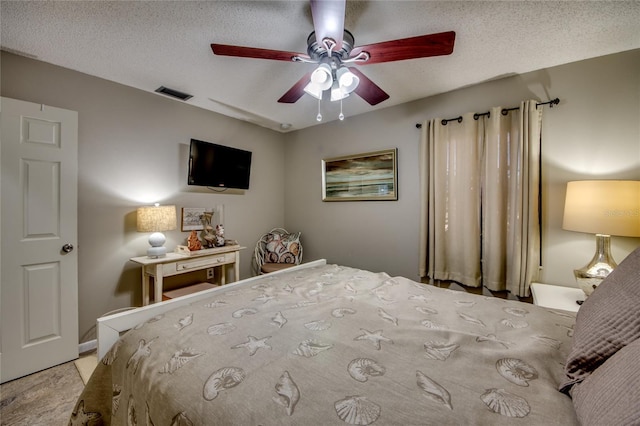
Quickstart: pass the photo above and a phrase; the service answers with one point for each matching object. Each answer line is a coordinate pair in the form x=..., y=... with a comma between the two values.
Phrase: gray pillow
x=610, y=395
x=607, y=321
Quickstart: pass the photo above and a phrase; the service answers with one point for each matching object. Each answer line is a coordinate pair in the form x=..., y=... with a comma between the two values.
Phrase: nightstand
x=557, y=297
x=177, y=263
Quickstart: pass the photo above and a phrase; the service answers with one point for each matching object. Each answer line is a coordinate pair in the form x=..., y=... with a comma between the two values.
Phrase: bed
x=331, y=344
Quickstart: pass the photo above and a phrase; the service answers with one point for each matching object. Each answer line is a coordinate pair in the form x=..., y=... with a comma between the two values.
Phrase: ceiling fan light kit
x=321, y=80
x=337, y=93
x=335, y=49
x=322, y=76
x=344, y=83
x=313, y=90
x=347, y=79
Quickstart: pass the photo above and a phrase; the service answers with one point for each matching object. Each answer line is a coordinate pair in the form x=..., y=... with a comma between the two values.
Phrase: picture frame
x=192, y=218
x=371, y=176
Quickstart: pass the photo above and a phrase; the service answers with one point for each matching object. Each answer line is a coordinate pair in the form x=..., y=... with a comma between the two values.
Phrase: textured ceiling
x=166, y=43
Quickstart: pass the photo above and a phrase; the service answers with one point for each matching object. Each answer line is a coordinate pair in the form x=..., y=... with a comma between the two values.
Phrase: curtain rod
x=504, y=111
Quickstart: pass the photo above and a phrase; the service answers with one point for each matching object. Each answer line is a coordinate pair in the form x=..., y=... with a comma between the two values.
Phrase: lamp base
x=591, y=275
x=155, y=252
x=157, y=249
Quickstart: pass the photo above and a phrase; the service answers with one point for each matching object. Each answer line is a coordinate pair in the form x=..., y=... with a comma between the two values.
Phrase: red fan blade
x=296, y=91
x=328, y=20
x=408, y=48
x=254, y=52
x=368, y=90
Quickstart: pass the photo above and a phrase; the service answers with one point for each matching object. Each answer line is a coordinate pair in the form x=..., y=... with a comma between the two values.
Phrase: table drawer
x=197, y=263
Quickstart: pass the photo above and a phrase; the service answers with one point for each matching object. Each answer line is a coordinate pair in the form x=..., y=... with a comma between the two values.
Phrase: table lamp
x=603, y=208
x=156, y=219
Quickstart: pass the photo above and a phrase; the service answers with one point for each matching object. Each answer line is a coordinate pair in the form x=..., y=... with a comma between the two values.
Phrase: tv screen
x=218, y=166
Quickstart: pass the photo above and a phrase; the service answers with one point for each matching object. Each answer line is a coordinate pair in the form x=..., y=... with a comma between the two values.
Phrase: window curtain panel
x=480, y=183
x=451, y=160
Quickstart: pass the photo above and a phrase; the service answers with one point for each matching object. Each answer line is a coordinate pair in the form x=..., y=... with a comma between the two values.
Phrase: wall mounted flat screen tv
x=218, y=166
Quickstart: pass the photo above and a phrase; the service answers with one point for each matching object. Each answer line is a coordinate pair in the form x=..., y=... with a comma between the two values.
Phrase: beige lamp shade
x=608, y=207
x=156, y=218
x=604, y=208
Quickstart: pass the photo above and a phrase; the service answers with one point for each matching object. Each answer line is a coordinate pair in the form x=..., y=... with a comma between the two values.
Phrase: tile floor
x=43, y=398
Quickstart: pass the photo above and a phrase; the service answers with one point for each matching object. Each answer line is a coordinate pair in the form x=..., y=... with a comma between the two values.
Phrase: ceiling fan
x=332, y=48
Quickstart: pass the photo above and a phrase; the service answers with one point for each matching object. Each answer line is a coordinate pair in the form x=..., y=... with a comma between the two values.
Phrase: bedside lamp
x=156, y=219
x=603, y=208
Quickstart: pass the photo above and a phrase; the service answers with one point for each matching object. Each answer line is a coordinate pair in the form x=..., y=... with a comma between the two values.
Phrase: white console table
x=176, y=264
x=557, y=297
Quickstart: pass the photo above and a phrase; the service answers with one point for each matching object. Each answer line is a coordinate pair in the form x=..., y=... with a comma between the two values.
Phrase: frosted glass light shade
x=345, y=83
x=156, y=219
x=321, y=80
x=337, y=93
x=347, y=80
x=313, y=90
x=322, y=76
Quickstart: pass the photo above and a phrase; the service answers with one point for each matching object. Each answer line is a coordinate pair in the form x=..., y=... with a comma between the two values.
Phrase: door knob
x=67, y=248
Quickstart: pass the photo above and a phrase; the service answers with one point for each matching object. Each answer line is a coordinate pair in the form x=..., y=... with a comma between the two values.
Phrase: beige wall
x=594, y=133
x=133, y=148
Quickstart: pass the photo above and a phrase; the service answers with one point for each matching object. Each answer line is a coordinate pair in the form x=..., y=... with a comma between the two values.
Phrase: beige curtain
x=480, y=199
x=451, y=204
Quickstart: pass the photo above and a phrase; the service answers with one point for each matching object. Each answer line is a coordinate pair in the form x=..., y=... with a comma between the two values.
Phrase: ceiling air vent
x=173, y=93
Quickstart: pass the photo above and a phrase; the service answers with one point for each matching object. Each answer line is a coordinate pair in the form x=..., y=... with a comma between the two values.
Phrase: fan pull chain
x=341, y=116
x=319, y=116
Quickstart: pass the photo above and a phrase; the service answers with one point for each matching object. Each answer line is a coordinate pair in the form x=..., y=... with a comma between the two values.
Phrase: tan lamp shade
x=604, y=208
x=608, y=207
x=156, y=218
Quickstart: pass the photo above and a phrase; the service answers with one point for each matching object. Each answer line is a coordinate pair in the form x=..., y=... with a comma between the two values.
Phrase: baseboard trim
x=88, y=346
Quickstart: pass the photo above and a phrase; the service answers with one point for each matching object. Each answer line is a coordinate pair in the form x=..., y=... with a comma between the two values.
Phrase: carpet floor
x=43, y=398
x=85, y=366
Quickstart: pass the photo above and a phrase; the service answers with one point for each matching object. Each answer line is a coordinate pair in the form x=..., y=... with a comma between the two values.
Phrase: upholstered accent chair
x=276, y=250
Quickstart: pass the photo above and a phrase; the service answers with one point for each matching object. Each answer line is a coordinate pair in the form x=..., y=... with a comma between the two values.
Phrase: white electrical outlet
x=209, y=273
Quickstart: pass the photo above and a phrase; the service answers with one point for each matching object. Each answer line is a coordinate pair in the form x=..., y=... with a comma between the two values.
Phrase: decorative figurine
x=219, y=241
x=210, y=237
x=193, y=243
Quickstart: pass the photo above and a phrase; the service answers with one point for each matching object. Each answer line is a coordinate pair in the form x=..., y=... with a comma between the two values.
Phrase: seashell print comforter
x=333, y=345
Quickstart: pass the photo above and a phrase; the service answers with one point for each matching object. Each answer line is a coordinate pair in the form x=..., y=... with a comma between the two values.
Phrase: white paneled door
x=39, y=271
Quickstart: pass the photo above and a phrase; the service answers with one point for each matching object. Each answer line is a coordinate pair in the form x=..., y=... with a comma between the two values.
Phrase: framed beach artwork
x=192, y=218
x=371, y=176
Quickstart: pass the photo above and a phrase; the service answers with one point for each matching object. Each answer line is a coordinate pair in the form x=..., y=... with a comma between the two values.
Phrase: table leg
x=157, y=284
x=223, y=276
x=236, y=267
x=145, y=288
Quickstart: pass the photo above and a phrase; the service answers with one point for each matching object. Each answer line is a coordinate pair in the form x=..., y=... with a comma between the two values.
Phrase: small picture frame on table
x=192, y=218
